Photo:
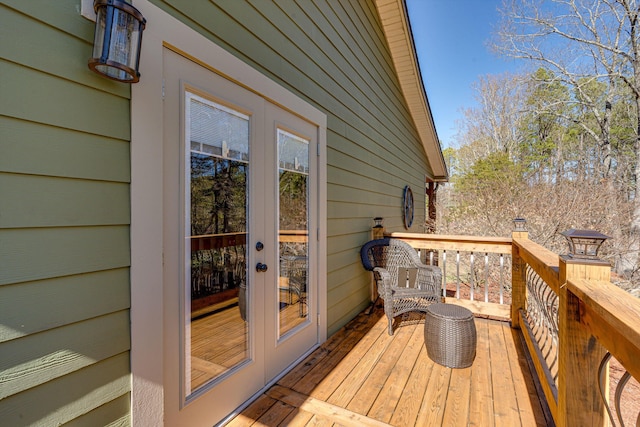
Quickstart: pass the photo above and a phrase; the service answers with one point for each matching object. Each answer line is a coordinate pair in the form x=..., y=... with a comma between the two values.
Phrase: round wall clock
x=407, y=206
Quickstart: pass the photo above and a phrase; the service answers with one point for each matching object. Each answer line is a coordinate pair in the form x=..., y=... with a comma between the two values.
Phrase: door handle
x=261, y=268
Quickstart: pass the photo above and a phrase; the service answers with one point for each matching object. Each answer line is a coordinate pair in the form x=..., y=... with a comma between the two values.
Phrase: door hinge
x=318, y=150
x=163, y=89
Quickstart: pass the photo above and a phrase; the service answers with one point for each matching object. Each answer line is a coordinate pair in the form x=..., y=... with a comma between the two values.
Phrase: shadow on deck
x=361, y=376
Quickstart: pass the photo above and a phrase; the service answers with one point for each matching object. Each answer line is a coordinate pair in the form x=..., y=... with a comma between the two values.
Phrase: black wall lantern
x=118, y=37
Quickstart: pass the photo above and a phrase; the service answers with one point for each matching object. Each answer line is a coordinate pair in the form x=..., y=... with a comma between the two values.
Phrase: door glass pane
x=293, y=283
x=216, y=327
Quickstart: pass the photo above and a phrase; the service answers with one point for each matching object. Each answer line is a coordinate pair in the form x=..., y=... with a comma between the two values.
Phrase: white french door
x=240, y=201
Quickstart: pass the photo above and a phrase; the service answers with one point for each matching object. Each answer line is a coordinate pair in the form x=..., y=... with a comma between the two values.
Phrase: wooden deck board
x=529, y=404
x=319, y=407
x=253, y=412
x=306, y=376
x=356, y=327
x=410, y=402
x=276, y=414
x=362, y=376
x=352, y=382
x=481, y=396
x=432, y=410
x=506, y=412
x=297, y=418
x=326, y=379
x=456, y=411
x=387, y=395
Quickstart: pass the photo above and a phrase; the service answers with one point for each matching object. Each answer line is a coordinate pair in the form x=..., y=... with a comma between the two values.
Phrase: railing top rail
x=542, y=260
x=451, y=237
x=218, y=235
x=222, y=240
x=242, y=233
x=613, y=317
x=294, y=232
x=456, y=242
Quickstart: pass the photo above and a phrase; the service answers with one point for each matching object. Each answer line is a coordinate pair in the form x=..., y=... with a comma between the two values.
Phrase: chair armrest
x=384, y=281
x=428, y=267
x=431, y=276
x=431, y=269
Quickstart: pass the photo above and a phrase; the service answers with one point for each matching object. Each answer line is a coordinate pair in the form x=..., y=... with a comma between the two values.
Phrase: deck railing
x=476, y=270
x=573, y=320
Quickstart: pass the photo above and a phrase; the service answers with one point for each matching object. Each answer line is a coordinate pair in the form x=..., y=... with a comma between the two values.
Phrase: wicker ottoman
x=450, y=335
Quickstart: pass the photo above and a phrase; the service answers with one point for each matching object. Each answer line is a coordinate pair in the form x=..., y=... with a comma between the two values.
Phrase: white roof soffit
x=395, y=22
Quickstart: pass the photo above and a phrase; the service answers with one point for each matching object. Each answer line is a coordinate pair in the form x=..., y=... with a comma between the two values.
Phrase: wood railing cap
x=619, y=309
x=449, y=237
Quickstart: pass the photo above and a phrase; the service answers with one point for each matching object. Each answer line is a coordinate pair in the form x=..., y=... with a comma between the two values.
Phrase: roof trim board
x=397, y=30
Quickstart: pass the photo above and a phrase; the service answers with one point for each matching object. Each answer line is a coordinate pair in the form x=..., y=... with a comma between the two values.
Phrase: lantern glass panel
x=98, y=40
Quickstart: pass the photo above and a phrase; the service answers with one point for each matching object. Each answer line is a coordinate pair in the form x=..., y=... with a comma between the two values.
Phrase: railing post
x=518, y=274
x=377, y=232
x=579, y=353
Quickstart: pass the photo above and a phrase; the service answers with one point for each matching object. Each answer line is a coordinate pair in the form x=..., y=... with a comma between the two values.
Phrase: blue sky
x=451, y=38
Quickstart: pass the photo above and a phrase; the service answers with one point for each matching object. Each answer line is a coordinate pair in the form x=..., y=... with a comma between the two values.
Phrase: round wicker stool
x=450, y=335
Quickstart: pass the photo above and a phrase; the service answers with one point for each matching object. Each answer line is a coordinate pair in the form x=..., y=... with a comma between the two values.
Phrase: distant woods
x=557, y=144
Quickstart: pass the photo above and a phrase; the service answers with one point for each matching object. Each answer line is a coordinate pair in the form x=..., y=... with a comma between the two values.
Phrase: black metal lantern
x=519, y=224
x=584, y=244
x=378, y=222
x=118, y=37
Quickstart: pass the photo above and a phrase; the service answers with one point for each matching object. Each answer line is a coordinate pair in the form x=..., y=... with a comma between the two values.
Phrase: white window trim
x=147, y=194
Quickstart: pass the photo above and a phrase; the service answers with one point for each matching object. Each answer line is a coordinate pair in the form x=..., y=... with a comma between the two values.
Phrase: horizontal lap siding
x=334, y=55
x=39, y=149
x=67, y=202
x=64, y=224
x=40, y=253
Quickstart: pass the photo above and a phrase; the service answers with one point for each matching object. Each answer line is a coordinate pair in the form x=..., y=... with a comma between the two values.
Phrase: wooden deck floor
x=363, y=377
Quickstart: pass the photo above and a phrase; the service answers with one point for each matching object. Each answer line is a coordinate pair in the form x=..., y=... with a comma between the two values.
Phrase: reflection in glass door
x=230, y=181
x=216, y=328
x=293, y=168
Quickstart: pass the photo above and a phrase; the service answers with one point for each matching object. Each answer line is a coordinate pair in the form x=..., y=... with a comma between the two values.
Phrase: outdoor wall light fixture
x=584, y=244
x=118, y=37
x=519, y=224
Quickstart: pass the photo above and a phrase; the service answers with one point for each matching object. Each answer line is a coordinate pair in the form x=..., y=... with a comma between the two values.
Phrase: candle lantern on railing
x=378, y=228
x=519, y=224
x=584, y=244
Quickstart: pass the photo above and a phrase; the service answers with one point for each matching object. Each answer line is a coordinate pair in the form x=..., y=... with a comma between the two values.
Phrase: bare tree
x=585, y=42
x=492, y=126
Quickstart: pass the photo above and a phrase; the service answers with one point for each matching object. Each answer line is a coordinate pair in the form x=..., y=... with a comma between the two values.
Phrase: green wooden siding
x=36, y=306
x=63, y=399
x=64, y=224
x=65, y=172
x=67, y=202
x=334, y=55
x=36, y=149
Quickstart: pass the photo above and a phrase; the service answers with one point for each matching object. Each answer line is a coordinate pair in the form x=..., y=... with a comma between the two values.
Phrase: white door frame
x=147, y=401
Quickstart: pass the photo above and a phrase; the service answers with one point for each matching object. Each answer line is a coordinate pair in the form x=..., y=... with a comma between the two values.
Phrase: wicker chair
x=404, y=282
x=295, y=269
